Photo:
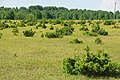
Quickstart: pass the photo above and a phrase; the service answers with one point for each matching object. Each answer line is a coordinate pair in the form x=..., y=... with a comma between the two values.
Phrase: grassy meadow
x=36, y=58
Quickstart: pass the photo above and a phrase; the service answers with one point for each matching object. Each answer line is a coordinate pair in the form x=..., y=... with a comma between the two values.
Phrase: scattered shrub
x=0, y=35
x=12, y=26
x=102, y=32
x=109, y=22
x=51, y=28
x=65, y=31
x=95, y=28
x=98, y=64
x=43, y=25
x=42, y=35
x=36, y=27
x=69, y=65
x=21, y=24
x=82, y=22
x=57, y=21
x=90, y=33
x=31, y=23
x=84, y=29
x=29, y=33
x=76, y=41
x=39, y=25
x=4, y=25
x=98, y=30
x=53, y=35
x=98, y=41
x=116, y=27
x=15, y=31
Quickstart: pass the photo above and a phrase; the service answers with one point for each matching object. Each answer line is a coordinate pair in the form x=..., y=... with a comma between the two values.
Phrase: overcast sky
x=79, y=4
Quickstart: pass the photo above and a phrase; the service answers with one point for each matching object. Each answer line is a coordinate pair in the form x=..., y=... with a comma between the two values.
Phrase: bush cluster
x=28, y=33
x=109, y=22
x=91, y=64
x=99, y=31
x=65, y=31
x=96, y=30
x=84, y=29
x=59, y=33
x=3, y=26
x=53, y=35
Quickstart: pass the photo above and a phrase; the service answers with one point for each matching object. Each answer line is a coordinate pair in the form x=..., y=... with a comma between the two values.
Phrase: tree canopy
x=53, y=12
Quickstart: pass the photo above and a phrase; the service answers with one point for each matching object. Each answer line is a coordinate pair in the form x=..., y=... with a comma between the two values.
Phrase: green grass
x=37, y=58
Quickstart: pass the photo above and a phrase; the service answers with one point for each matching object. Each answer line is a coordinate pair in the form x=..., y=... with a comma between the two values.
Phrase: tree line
x=52, y=12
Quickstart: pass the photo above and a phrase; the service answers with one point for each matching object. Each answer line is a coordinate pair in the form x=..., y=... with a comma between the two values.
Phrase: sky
x=70, y=4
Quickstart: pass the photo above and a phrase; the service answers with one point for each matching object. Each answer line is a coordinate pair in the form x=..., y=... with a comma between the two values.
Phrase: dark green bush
x=28, y=33
x=65, y=31
x=98, y=41
x=99, y=31
x=51, y=28
x=84, y=29
x=0, y=35
x=98, y=64
x=53, y=35
x=82, y=22
x=109, y=22
x=69, y=65
x=44, y=26
x=3, y=26
x=102, y=32
x=39, y=25
x=76, y=41
x=57, y=21
x=42, y=35
x=96, y=28
x=12, y=26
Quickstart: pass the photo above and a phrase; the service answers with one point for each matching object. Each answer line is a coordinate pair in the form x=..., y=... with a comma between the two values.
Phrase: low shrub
x=42, y=35
x=95, y=28
x=82, y=22
x=76, y=41
x=65, y=31
x=44, y=26
x=28, y=33
x=116, y=27
x=90, y=33
x=98, y=41
x=98, y=64
x=99, y=31
x=51, y=28
x=12, y=26
x=84, y=29
x=0, y=35
x=21, y=24
x=102, y=32
x=109, y=22
x=4, y=26
x=53, y=35
x=57, y=21
x=15, y=31
x=31, y=23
